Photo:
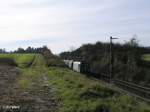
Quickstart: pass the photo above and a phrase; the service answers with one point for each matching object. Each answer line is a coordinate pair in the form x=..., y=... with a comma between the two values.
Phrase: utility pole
x=111, y=58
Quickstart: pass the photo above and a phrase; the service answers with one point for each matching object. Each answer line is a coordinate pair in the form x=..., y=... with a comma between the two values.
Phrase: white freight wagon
x=77, y=66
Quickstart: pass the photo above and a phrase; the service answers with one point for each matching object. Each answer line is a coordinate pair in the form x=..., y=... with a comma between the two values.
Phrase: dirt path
x=38, y=99
x=7, y=77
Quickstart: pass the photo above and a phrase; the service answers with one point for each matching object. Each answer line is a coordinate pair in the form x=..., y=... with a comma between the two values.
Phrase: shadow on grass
x=7, y=61
x=96, y=91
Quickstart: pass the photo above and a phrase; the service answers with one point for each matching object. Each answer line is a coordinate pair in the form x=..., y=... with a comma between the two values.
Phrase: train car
x=69, y=63
x=81, y=67
x=84, y=67
x=77, y=66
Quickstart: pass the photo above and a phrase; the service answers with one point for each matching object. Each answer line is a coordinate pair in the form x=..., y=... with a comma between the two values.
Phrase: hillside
x=62, y=90
x=79, y=93
x=126, y=60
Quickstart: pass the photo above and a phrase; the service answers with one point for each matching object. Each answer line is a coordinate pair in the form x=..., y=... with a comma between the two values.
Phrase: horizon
x=72, y=48
x=62, y=24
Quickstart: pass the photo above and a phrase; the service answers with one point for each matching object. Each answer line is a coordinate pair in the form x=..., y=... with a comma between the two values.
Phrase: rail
x=138, y=91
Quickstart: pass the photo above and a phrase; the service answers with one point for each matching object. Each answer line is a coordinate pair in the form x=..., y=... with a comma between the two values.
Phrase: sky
x=61, y=24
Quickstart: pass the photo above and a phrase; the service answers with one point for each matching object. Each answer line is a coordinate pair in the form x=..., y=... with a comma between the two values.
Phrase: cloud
x=64, y=23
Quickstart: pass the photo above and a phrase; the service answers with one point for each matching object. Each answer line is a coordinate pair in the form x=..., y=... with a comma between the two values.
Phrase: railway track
x=134, y=89
x=139, y=91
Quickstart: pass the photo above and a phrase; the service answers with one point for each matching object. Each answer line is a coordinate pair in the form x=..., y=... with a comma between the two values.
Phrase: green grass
x=22, y=60
x=146, y=57
x=76, y=92
x=34, y=74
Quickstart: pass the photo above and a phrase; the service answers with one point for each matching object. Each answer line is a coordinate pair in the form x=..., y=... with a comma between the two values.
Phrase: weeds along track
x=139, y=91
x=134, y=89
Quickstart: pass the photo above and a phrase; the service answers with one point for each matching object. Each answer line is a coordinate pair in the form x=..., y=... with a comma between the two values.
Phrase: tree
x=20, y=50
x=133, y=41
x=2, y=50
x=29, y=50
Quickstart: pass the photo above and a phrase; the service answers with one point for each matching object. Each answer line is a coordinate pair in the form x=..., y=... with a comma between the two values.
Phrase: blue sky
x=60, y=24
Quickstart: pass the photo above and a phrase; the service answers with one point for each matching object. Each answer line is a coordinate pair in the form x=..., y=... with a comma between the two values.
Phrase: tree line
x=3, y=50
x=33, y=50
x=127, y=60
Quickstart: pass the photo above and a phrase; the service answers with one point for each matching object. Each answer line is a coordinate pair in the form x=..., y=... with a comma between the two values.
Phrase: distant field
x=22, y=60
x=146, y=57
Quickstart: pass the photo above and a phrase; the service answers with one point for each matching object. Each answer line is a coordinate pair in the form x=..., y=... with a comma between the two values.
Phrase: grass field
x=146, y=57
x=75, y=92
x=22, y=60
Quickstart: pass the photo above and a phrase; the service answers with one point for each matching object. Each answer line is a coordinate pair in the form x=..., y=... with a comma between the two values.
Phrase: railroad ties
x=137, y=90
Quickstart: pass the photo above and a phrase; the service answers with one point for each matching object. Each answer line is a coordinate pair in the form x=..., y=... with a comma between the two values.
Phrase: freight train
x=84, y=67
x=78, y=66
